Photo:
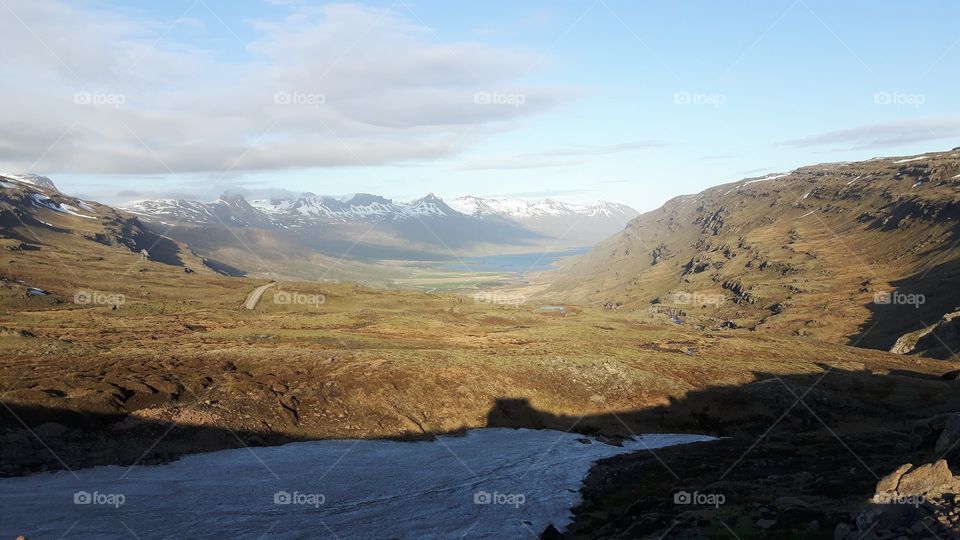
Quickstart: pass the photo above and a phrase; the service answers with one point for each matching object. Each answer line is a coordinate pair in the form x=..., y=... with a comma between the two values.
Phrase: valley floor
x=180, y=367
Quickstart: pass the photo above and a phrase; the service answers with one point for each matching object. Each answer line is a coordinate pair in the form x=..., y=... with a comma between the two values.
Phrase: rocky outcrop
x=910, y=502
x=945, y=334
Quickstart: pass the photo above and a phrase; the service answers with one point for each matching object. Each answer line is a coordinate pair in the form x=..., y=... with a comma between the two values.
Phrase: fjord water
x=520, y=263
x=489, y=483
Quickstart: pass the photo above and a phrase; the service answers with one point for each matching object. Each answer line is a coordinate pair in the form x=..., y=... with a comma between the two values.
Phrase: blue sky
x=633, y=102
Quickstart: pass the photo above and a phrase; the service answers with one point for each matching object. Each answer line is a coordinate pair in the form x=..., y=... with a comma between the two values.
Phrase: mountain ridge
x=362, y=206
x=802, y=252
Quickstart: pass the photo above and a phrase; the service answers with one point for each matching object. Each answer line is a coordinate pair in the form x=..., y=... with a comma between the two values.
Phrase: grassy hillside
x=804, y=253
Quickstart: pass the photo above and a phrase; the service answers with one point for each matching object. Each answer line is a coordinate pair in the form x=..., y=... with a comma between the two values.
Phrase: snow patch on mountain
x=524, y=209
x=30, y=179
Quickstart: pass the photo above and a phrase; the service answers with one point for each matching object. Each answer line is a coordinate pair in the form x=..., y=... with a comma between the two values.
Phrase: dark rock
x=951, y=375
x=50, y=430
x=950, y=436
x=550, y=533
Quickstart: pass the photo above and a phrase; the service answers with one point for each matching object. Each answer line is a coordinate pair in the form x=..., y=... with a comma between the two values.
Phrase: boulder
x=888, y=484
x=932, y=478
x=766, y=523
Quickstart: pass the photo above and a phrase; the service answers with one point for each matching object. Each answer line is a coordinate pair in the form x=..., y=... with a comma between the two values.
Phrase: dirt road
x=254, y=297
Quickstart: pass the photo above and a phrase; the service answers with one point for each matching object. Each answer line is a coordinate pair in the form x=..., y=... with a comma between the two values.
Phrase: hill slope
x=802, y=253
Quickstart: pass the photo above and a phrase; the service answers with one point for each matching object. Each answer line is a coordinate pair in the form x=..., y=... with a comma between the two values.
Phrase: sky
x=628, y=101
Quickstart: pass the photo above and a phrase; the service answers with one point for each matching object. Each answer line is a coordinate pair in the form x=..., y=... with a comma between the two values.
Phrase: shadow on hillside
x=838, y=397
x=12, y=221
x=851, y=426
x=223, y=268
x=888, y=321
x=162, y=249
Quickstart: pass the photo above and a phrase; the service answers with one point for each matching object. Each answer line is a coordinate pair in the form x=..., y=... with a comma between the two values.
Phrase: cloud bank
x=96, y=92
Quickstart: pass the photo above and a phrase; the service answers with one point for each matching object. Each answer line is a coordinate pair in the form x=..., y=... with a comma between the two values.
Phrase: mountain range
x=311, y=236
x=308, y=209
x=371, y=227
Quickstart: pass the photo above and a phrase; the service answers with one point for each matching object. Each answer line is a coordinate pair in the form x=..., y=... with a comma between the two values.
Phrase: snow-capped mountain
x=428, y=224
x=309, y=207
x=35, y=180
x=523, y=209
x=356, y=207
x=230, y=209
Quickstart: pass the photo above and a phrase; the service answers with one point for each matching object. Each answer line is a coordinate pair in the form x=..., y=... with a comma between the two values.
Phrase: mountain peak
x=233, y=199
x=366, y=199
x=31, y=179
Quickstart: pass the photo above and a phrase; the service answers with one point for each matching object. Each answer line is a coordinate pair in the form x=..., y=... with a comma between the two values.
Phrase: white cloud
x=365, y=86
x=885, y=135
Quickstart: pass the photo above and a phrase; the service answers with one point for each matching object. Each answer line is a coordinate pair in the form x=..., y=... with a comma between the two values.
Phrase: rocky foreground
x=812, y=475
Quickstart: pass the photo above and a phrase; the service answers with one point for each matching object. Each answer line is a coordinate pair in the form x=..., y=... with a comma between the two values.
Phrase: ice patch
x=74, y=211
x=810, y=213
x=908, y=160
x=489, y=483
x=63, y=208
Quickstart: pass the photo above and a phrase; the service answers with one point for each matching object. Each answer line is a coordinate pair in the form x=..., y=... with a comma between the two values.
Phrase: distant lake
x=520, y=263
x=491, y=484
